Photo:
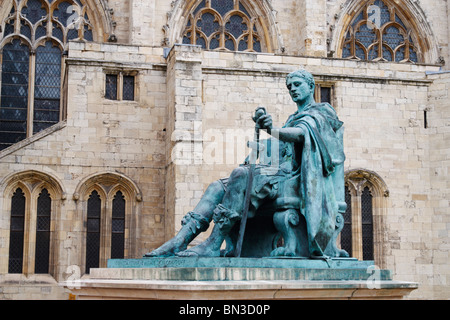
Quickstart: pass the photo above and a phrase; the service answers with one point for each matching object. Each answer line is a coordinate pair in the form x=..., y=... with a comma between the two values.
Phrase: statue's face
x=299, y=89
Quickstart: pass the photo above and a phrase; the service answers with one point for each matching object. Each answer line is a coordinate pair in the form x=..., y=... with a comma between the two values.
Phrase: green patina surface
x=212, y=269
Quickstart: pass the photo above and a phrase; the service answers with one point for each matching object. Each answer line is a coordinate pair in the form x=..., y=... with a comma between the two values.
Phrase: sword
x=260, y=111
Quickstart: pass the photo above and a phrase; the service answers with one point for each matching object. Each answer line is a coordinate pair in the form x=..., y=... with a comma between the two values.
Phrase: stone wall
x=186, y=126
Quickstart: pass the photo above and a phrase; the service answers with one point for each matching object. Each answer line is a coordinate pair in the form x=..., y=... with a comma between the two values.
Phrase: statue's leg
x=224, y=220
x=225, y=216
x=193, y=223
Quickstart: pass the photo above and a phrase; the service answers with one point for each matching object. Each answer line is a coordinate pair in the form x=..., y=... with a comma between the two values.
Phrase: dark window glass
x=111, y=87
x=208, y=24
x=118, y=227
x=34, y=11
x=93, y=231
x=16, y=232
x=325, y=94
x=367, y=224
x=14, y=93
x=43, y=232
x=47, y=91
x=65, y=13
x=128, y=88
x=346, y=233
x=227, y=26
x=236, y=26
x=222, y=6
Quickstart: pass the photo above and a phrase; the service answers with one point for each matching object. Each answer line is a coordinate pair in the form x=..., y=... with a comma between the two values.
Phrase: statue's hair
x=302, y=73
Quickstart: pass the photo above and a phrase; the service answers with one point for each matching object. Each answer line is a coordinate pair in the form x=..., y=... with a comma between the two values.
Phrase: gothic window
x=367, y=224
x=14, y=93
x=109, y=202
x=118, y=226
x=35, y=36
x=17, y=232
x=94, y=206
x=34, y=198
x=223, y=25
x=365, y=194
x=106, y=224
x=378, y=32
x=43, y=220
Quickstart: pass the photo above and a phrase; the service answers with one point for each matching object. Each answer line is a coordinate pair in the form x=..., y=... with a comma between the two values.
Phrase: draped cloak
x=311, y=164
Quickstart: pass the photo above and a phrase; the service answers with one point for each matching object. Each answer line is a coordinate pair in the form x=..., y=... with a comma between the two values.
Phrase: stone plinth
x=239, y=279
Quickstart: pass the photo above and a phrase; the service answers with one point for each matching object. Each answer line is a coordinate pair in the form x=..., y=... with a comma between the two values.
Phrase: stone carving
x=293, y=197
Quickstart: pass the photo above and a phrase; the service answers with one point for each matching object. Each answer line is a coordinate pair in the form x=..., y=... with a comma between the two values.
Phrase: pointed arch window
x=34, y=200
x=43, y=221
x=105, y=228
x=17, y=232
x=223, y=25
x=365, y=195
x=378, y=32
x=118, y=226
x=93, y=231
x=367, y=224
x=34, y=38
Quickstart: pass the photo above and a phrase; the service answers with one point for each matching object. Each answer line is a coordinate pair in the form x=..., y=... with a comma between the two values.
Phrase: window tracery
x=223, y=25
x=33, y=202
x=378, y=33
x=109, y=203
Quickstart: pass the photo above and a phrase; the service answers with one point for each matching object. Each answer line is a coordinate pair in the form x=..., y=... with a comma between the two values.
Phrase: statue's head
x=301, y=85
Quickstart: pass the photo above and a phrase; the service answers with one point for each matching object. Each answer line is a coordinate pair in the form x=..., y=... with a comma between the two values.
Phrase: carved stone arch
x=102, y=19
x=106, y=181
x=411, y=14
x=32, y=179
x=98, y=11
x=262, y=10
x=361, y=178
x=352, y=187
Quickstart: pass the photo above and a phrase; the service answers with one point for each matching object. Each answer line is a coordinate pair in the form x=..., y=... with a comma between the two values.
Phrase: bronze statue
x=299, y=198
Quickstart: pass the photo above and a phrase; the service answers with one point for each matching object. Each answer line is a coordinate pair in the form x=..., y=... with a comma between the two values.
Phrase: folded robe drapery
x=313, y=163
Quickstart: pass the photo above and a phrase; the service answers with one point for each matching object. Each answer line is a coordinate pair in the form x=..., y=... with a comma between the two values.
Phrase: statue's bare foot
x=204, y=249
x=168, y=249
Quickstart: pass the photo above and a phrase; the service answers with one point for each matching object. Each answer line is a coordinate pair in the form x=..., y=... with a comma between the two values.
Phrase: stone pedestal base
x=239, y=279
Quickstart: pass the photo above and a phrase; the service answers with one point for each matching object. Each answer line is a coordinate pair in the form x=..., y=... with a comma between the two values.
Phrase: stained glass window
x=93, y=231
x=49, y=33
x=42, y=251
x=118, y=226
x=367, y=224
x=47, y=90
x=222, y=25
x=377, y=33
x=14, y=93
x=16, y=233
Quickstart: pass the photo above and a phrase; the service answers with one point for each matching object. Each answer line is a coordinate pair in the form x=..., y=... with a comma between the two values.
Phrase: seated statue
x=304, y=194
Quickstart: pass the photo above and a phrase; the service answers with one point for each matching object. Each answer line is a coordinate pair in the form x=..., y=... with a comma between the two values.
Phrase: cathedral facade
x=116, y=115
